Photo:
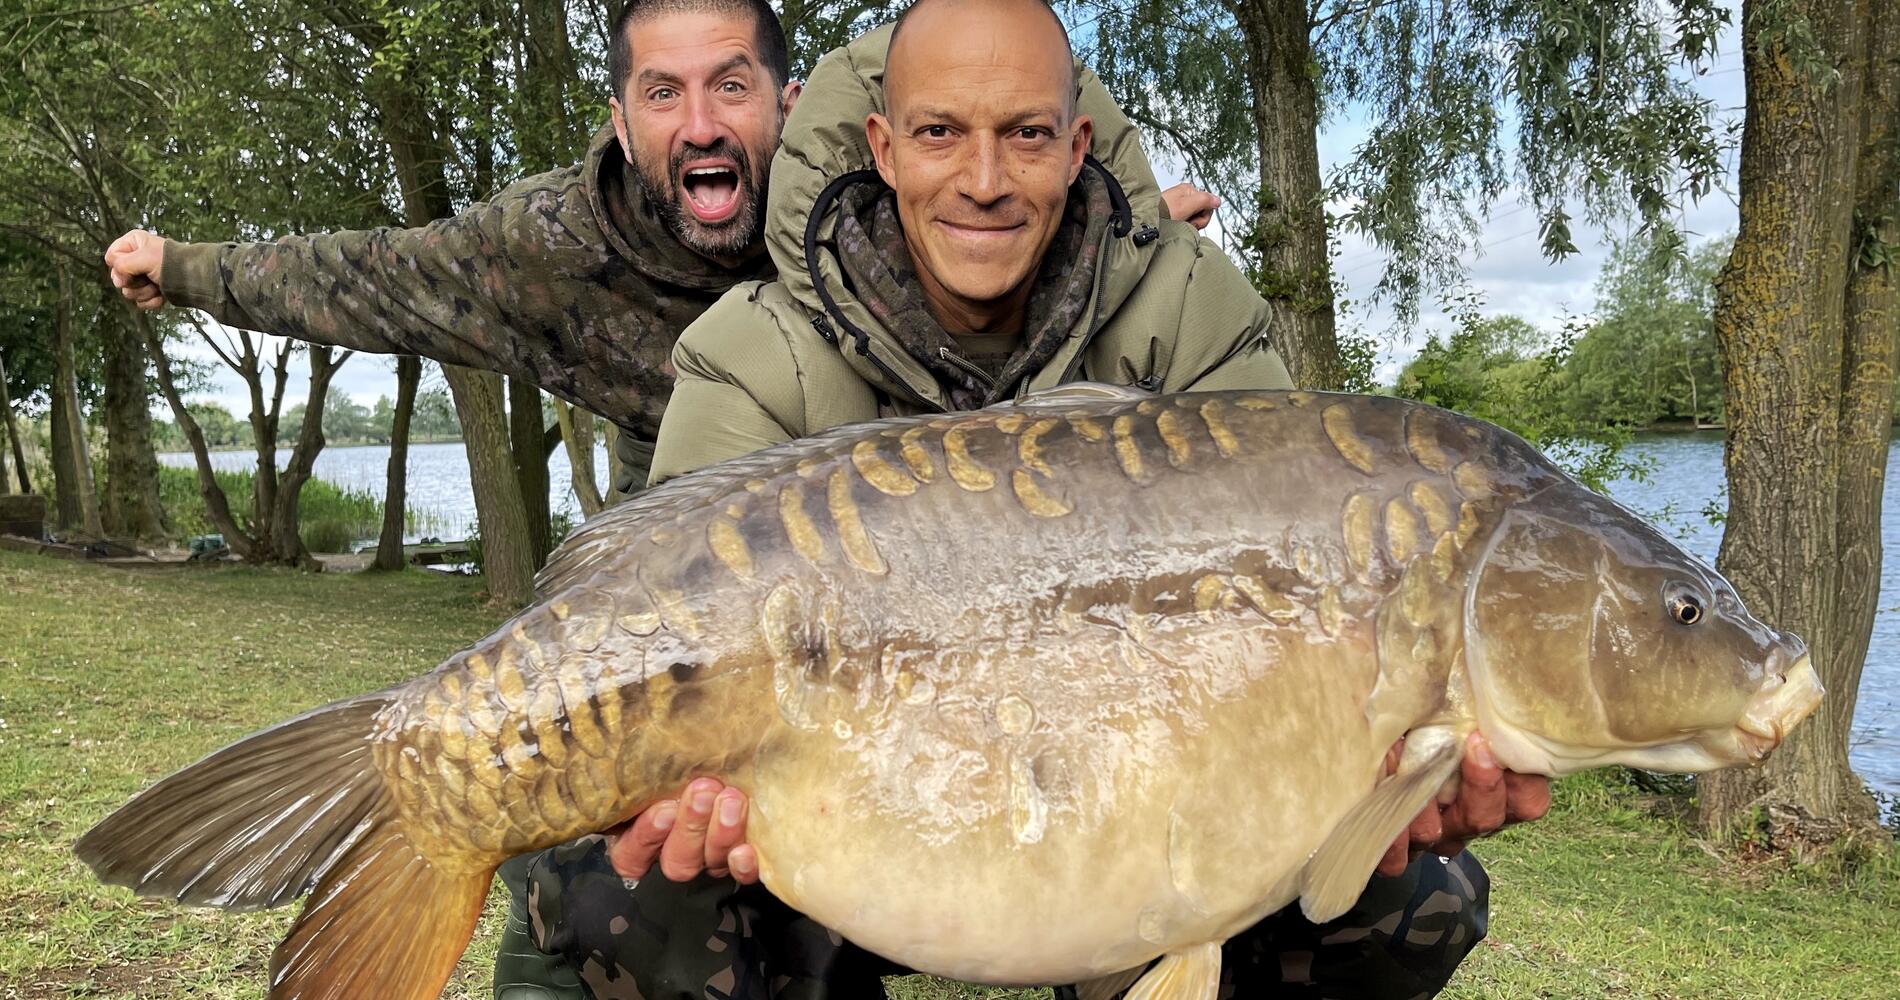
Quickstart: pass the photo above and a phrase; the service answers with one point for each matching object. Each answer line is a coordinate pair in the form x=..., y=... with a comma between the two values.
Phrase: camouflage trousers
x=711, y=938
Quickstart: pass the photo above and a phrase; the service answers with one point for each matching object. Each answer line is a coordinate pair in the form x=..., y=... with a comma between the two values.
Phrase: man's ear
x=877, y=133
x=788, y=97
x=1079, y=149
x=619, y=115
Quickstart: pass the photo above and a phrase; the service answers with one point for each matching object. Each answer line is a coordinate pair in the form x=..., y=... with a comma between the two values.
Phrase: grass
x=110, y=679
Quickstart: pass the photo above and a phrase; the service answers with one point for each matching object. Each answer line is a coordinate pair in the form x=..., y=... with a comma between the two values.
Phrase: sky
x=1509, y=271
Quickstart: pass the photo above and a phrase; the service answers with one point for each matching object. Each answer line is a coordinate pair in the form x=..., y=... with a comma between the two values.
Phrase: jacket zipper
x=968, y=367
x=1095, y=315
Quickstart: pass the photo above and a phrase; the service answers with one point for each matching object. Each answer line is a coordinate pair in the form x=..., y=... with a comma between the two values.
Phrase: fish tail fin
x=252, y=825
x=297, y=806
x=385, y=922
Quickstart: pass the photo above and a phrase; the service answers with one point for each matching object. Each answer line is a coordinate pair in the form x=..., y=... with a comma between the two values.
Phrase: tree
x=1651, y=355
x=389, y=551
x=577, y=433
x=72, y=463
x=71, y=112
x=12, y=429
x=1589, y=90
x=435, y=416
x=1507, y=371
x=1806, y=312
x=273, y=533
x=345, y=419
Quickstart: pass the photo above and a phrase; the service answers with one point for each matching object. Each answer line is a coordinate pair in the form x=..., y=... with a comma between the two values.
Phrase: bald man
x=945, y=241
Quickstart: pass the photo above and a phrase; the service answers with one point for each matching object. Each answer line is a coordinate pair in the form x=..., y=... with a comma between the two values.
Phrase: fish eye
x=1685, y=609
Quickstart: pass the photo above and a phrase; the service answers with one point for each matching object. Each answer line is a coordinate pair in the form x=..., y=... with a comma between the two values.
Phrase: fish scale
x=1029, y=694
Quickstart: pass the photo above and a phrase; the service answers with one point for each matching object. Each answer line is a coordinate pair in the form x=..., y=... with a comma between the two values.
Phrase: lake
x=1687, y=478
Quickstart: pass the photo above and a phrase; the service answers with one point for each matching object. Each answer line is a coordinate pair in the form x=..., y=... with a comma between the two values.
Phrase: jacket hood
x=823, y=152
x=638, y=236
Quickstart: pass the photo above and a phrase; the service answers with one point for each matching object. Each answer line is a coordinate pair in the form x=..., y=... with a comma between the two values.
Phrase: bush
x=330, y=517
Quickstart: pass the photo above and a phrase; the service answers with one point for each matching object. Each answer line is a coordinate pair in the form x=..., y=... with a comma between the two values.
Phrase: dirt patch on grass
x=143, y=978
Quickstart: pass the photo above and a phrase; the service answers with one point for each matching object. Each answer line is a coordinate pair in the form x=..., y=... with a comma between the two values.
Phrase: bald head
x=968, y=27
x=979, y=142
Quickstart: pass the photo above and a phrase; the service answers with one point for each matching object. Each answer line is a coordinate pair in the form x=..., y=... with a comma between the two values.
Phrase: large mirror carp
x=1031, y=694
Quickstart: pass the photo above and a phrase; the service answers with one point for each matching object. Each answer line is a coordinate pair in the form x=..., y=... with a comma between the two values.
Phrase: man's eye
x=1032, y=133
x=936, y=131
x=661, y=94
x=732, y=87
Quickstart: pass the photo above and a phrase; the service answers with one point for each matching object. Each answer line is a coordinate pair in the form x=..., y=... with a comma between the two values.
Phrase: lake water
x=1688, y=478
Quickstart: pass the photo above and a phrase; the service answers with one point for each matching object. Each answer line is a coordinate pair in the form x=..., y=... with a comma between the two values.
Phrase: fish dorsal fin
x=1188, y=974
x=1062, y=397
x=1111, y=986
x=1336, y=875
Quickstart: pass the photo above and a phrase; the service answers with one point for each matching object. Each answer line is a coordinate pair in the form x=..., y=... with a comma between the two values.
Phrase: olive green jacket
x=771, y=361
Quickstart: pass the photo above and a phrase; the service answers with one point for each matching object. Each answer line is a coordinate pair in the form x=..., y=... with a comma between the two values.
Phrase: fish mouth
x=1778, y=708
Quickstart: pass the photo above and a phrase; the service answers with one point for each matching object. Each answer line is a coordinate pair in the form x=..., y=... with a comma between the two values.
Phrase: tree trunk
x=72, y=465
x=526, y=436
x=1288, y=239
x=217, y=505
x=507, y=546
x=131, y=503
x=1807, y=332
x=577, y=435
x=554, y=135
x=13, y=432
x=284, y=543
x=66, y=511
x=616, y=468
x=264, y=418
x=419, y=151
x=389, y=554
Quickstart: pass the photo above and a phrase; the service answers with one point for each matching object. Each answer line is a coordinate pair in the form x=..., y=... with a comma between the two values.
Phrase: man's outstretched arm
x=428, y=291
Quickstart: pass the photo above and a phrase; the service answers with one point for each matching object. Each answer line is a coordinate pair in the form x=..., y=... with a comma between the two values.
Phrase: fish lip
x=1782, y=703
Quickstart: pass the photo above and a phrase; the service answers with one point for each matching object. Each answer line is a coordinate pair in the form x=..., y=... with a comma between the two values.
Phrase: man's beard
x=731, y=237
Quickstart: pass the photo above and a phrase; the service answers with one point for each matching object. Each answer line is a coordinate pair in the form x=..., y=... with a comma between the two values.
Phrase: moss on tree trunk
x=1807, y=324
x=1289, y=228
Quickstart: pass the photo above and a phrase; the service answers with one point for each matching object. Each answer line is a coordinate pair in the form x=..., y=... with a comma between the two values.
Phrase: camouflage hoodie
x=566, y=279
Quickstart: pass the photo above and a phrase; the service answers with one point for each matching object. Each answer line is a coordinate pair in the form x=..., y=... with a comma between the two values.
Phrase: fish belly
x=1072, y=824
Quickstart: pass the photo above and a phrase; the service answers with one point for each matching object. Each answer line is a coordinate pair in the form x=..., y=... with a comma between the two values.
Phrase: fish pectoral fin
x=1111, y=986
x=1188, y=974
x=1336, y=875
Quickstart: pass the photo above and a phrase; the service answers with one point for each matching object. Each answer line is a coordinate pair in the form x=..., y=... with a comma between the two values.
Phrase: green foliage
x=330, y=517
x=1651, y=355
x=347, y=422
x=434, y=417
x=1583, y=104
x=220, y=428
x=1504, y=370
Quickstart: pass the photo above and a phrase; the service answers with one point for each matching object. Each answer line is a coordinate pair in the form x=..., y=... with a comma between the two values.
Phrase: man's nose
x=702, y=129
x=985, y=176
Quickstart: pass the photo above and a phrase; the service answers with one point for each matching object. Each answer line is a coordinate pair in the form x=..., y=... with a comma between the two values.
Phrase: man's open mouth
x=711, y=191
